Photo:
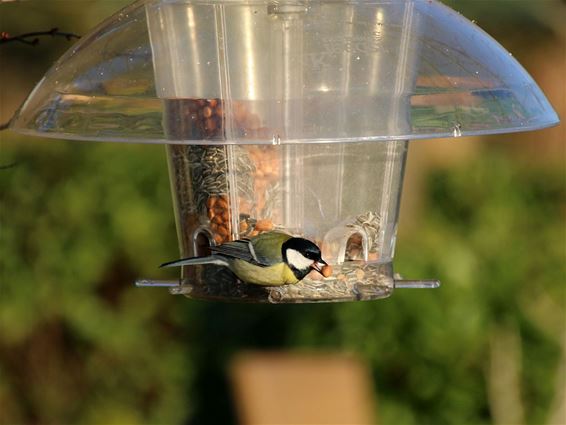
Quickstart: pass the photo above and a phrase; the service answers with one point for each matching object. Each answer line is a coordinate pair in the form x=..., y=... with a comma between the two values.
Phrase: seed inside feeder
x=237, y=191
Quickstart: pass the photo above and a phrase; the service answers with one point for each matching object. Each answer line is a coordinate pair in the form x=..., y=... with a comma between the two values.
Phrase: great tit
x=271, y=258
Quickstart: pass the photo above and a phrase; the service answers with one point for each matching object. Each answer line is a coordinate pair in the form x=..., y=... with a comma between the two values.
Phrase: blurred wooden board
x=297, y=388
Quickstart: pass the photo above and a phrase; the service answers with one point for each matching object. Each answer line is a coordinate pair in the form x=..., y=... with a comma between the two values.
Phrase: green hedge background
x=80, y=221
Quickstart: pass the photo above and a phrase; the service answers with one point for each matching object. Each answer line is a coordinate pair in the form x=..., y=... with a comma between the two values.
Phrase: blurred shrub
x=494, y=236
x=79, y=342
x=79, y=222
x=80, y=345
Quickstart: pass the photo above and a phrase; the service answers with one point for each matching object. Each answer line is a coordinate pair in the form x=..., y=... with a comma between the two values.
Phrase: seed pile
x=350, y=282
x=371, y=223
x=209, y=173
x=218, y=213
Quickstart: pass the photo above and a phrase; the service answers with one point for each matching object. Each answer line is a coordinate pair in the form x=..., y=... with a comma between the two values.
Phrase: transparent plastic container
x=312, y=71
x=286, y=115
x=344, y=197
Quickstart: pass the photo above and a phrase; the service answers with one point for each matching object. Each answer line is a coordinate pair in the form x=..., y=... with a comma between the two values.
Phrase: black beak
x=317, y=265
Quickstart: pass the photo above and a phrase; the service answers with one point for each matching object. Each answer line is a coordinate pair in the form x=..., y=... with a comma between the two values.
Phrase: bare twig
x=31, y=38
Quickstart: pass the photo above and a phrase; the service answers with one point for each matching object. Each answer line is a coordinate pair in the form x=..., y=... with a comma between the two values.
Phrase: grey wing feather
x=211, y=259
x=243, y=250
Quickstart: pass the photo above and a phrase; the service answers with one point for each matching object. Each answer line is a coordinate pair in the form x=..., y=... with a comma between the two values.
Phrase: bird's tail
x=211, y=259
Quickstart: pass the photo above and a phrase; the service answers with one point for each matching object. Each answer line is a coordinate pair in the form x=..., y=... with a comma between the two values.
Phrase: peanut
x=207, y=112
x=223, y=231
x=327, y=270
x=210, y=124
x=263, y=225
x=210, y=202
x=222, y=202
x=373, y=256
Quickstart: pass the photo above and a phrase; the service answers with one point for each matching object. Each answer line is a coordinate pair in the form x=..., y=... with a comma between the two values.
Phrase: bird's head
x=302, y=256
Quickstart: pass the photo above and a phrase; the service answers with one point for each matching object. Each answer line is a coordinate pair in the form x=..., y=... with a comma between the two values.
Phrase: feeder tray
x=289, y=116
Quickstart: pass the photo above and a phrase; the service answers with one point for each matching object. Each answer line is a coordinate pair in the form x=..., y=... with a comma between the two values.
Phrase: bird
x=270, y=259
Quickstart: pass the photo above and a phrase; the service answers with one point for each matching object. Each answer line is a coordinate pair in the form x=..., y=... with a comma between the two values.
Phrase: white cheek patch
x=298, y=260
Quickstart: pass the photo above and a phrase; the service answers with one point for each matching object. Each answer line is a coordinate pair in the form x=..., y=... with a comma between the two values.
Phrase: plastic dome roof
x=284, y=72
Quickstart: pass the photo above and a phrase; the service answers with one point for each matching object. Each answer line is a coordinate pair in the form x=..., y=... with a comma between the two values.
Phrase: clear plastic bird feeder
x=286, y=115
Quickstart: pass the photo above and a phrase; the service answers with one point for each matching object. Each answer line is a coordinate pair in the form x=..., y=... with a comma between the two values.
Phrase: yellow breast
x=279, y=274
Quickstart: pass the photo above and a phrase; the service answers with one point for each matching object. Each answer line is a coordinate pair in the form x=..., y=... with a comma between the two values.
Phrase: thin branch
x=25, y=39
x=31, y=38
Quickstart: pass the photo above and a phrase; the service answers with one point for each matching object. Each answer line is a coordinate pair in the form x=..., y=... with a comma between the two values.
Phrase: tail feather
x=211, y=259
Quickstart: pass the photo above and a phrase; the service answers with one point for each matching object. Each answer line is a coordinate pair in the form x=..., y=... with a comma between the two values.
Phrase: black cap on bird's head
x=302, y=256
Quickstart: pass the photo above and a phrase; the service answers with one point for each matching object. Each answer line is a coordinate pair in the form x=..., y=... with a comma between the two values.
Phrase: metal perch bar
x=417, y=284
x=157, y=283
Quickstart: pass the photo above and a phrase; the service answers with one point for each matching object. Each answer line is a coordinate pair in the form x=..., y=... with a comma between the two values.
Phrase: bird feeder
x=286, y=115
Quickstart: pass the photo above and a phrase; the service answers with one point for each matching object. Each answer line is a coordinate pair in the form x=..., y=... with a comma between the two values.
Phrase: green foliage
x=79, y=222
x=80, y=345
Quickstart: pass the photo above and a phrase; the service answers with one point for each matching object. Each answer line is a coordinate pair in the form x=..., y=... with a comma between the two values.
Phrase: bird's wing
x=268, y=246
x=263, y=250
x=211, y=259
x=242, y=250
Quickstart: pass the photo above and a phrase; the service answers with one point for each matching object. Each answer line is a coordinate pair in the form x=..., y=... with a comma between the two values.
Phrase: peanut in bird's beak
x=317, y=265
